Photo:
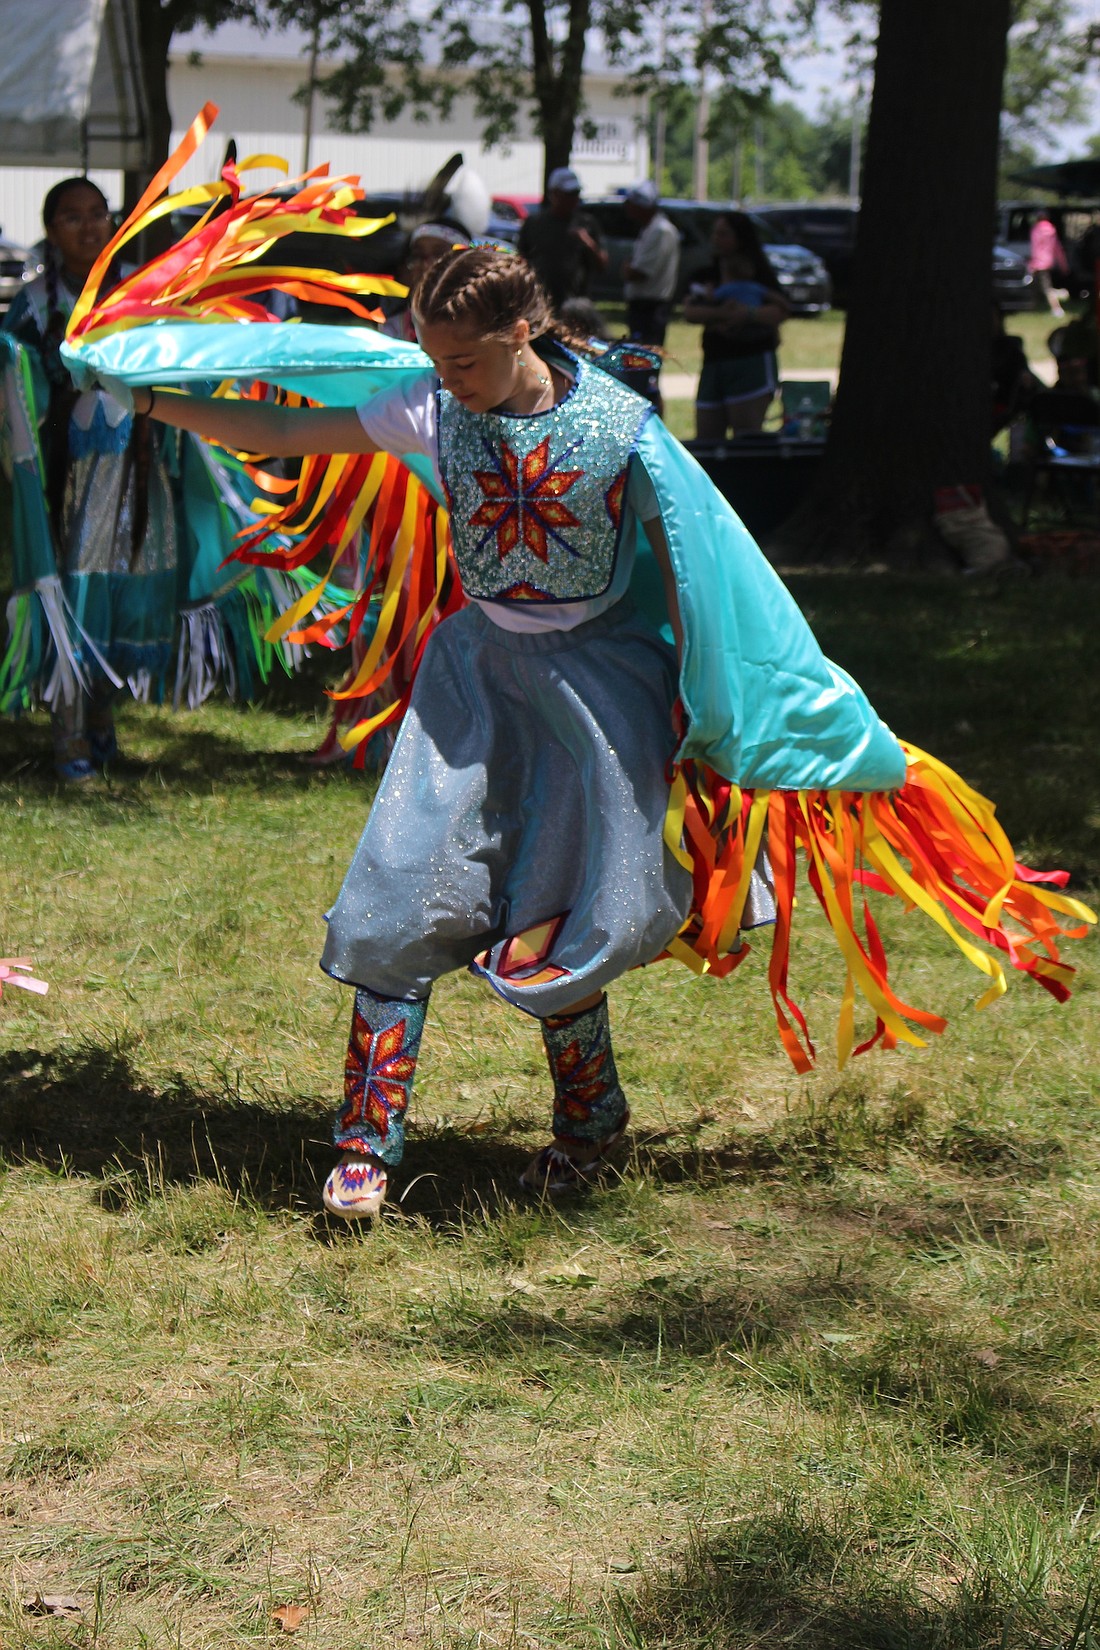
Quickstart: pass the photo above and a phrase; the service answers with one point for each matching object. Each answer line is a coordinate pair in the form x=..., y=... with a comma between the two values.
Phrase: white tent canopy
x=70, y=86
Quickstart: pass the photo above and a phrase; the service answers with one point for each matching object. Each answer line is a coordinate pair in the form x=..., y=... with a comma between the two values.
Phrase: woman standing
x=740, y=307
x=110, y=506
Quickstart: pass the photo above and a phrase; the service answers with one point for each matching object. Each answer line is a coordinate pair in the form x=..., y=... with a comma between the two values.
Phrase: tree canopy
x=158, y=21
x=764, y=150
x=524, y=59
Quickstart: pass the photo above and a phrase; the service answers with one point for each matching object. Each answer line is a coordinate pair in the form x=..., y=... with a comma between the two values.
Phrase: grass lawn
x=816, y=1369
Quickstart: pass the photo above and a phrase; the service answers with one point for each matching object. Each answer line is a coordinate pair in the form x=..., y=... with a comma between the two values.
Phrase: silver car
x=17, y=267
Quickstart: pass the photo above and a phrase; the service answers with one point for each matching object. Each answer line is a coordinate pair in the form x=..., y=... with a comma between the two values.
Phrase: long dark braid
x=63, y=395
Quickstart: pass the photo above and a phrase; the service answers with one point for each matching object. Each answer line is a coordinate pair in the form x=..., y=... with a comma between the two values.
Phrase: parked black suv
x=1075, y=222
x=831, y=232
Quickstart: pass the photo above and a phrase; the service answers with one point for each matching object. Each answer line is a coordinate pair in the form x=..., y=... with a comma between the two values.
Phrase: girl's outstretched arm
x=259, y=426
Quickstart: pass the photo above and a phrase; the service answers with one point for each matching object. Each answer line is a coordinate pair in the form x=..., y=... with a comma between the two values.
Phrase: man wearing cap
x=650, y=275
x=562, y=243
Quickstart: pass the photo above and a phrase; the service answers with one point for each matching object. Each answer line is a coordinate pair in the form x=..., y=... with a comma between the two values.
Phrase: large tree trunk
x=558, y=79
x=156, y=24
x=912, y=409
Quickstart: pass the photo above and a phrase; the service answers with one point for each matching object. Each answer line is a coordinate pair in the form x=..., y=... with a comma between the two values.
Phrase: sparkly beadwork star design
x=613, y=498
x=522, y=503
x=638, y=361
x=376, y=1075
x=582, y=1074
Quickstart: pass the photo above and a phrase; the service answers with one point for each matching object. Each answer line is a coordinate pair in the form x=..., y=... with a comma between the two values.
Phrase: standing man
x=562, y=243
x=650, y=276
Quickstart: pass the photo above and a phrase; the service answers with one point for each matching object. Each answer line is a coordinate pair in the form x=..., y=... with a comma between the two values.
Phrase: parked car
x=831, y=232
x=1013, y=282
x=17, y=266
x=508, y=213
x=1075, y=221
x=802, y=276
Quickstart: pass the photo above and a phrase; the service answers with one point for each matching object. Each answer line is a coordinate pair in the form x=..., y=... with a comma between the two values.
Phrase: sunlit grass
x=816, y=1369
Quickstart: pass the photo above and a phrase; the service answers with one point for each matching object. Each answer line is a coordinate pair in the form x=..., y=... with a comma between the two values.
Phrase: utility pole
x=855, y=158
x=660, y=124
x=701, y=169
x=311, y=88
x=702, y=146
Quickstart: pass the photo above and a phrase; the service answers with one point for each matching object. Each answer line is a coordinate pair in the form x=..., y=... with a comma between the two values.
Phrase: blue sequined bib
x=537, y=503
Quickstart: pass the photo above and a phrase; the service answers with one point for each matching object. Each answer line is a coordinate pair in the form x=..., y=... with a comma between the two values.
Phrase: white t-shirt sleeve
x=640, y=496
x=402, y=419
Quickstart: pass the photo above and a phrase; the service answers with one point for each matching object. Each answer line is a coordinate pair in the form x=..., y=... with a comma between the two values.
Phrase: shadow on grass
x=86, y=1108
x=184, y=756
x=85, y=1111
x=996, y=678
x=783, y=1579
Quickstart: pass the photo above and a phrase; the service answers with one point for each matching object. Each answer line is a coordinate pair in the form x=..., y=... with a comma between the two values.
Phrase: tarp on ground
x=70, y=86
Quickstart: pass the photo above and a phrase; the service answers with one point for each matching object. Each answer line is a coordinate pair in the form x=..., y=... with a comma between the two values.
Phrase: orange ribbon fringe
x=935, y=842
x=407, y=571
x=335, y=505
x=212, y=273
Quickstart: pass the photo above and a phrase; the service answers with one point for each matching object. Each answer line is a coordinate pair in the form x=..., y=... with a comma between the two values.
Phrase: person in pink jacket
x=1048, y=259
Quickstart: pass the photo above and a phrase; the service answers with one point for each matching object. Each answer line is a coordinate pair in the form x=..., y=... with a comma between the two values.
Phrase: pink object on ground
x=16, y=971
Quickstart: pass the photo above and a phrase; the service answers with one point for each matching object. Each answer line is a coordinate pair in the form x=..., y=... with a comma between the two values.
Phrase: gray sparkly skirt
x=518, y=829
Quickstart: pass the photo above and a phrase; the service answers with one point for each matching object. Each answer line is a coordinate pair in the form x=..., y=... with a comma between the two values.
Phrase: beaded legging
x=589, y=1104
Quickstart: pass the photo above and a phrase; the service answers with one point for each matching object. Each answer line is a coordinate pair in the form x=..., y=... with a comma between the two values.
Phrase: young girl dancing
x=562, y=801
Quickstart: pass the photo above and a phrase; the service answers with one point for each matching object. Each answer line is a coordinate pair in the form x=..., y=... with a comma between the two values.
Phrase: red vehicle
x=509, y=211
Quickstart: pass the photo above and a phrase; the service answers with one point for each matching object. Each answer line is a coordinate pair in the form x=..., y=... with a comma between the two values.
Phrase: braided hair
x=487, y=291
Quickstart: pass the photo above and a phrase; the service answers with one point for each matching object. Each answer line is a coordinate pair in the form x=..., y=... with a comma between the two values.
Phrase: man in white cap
x=562, y=243
x=649, y=277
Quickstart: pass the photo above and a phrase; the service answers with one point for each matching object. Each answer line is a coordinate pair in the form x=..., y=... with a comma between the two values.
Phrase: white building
x=253, y=76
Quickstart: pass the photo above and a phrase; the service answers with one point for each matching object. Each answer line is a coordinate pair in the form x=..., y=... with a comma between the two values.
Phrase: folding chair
x=1065, y=449
x=805, y=406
